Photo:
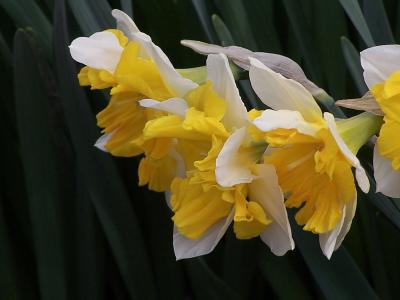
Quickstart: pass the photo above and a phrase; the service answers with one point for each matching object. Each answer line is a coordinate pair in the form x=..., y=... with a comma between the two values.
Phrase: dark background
x=73, y=222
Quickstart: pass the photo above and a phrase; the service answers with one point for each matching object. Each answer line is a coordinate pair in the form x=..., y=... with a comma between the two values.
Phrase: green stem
x=198, y=74
x=329, y=103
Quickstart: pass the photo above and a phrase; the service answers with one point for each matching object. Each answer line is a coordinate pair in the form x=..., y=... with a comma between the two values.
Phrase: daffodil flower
x=382, y=75
x=213, y=119
x=240, y=163
x=312, y=153
x=127, y=61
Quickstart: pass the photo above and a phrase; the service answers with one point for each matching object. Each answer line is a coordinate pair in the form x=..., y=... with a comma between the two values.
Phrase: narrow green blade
x=127, y=7
x=5, y=53
x=354, y=12
x=377, y=20
x=11, y=285
x=92, y=16
x=234, y=14
x=168, y=273
x=26, y=13
x=337, y=278
x=329, y=25
x=352, y=58
x=109, y=198
x=239, y=255
x=90, y=263
x=281, y=271
x=263, y=17
x=42, y=168
x=201, y=9
x=383, y=203
x=301, y=31
x=17, y=241
x=205, y=283
x=224, y=35
x=374, y=251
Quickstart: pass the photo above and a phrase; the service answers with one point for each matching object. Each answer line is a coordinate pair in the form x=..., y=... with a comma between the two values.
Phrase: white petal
x=187, y=248
x=266, y=191
x=285, y=119
x=361, y=176
x=349, y=215
x=332, y=240
x=220, y=74
x=167, y=195
x=178, y=84
x=99, y=51
x=279, y=92
x=327, y=241
x=379, y=62
x=124, y=23
x=230, y=169
x=102, y=141
x=240, y=56
x=175, y=106
x=387, y=179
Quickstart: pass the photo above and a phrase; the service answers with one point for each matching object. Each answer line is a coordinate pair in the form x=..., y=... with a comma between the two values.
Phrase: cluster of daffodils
x=220, y=164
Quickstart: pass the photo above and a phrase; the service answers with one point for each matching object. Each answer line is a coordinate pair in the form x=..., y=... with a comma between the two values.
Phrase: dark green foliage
x=73, y=222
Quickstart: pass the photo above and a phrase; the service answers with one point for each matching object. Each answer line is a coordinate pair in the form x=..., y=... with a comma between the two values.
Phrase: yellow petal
x=250, y=219
x=205, y=99
x=388, y=142
x=96, y=79
x=197, y=121
x=196, y=210
x=139, y=75
x=123, y=40
x=157, y=173
x=124, y=120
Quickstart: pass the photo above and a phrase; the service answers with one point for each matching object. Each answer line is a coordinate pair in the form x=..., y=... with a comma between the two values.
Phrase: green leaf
x=205, y=283
x=41, y=166
x=102, y=180
x=26, y=13
x=89, y=264
x=238, y=255
x=377, y=20
x=352, y=58
x=262, y=21
x=354, y=12
x=168, y=274
x=383, y=203
x=327, y=36
x=16, y=233
x=5, y=53
x=279, y=271
x=49, y=4
x=234, y=14
x=374, y=251
x=92, y=15
x=14, y=202
x=127, y=7
x=200, y=7
x=337, y=278
x=301, y=31
x=224, y=35
x=396, y=12
x=12, y=285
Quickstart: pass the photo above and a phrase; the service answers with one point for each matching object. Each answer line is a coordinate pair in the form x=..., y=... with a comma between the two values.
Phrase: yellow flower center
x=387, y=94
x=315, y=175
x=199, y=202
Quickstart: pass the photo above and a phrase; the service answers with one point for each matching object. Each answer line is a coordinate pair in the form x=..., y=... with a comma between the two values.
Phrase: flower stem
x=329, y=103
